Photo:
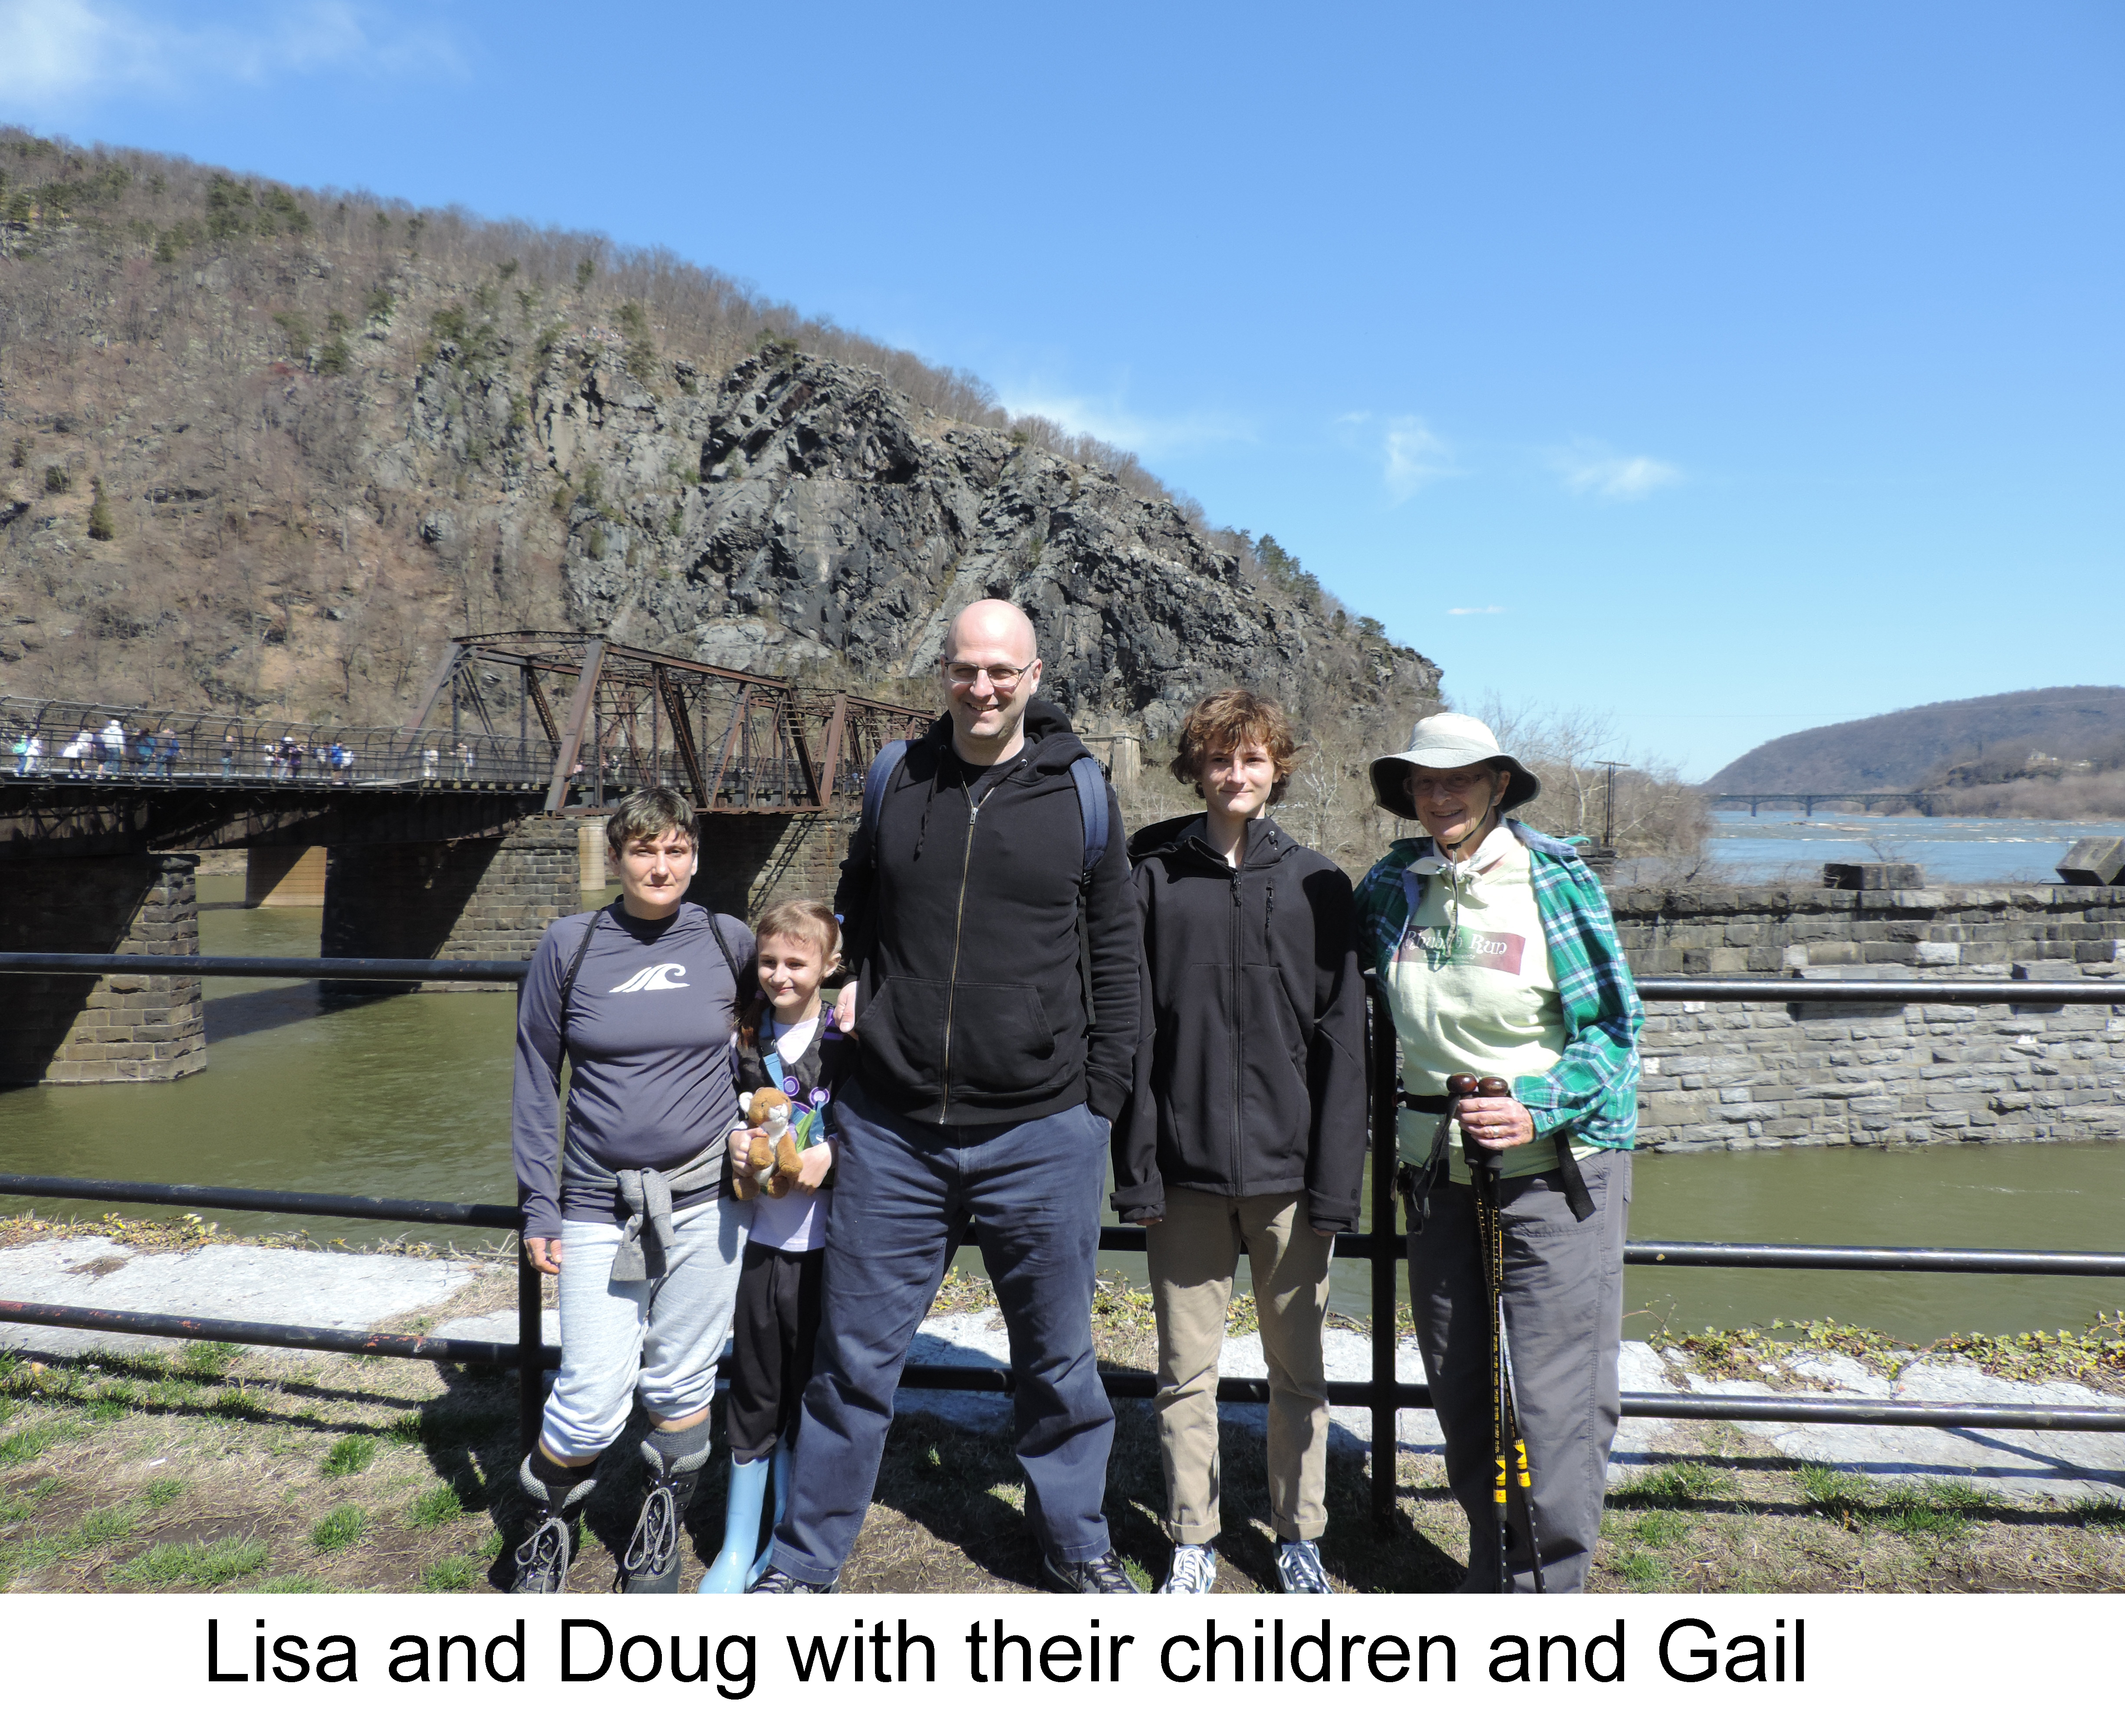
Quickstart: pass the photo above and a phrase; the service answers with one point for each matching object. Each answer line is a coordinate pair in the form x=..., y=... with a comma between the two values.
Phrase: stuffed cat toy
x=772, y=1161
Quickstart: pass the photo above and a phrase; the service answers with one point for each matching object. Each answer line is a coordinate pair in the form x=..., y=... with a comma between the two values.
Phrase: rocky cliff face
x=264, y=451
x=837, y=527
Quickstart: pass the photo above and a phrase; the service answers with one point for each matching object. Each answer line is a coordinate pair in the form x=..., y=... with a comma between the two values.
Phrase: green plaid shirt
x=1592, y=1092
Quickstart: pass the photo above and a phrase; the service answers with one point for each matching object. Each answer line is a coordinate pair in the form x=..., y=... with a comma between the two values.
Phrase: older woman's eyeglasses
x=1423, y=783
x=1002, y=677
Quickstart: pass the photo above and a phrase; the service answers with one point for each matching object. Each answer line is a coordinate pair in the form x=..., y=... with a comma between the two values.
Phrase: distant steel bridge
x=1806, y=799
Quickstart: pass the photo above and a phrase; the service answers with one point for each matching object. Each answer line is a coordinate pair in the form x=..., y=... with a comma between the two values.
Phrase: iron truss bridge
x=555, y=721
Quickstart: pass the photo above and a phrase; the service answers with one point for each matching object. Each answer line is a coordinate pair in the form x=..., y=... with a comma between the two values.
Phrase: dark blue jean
x=1035, y=1188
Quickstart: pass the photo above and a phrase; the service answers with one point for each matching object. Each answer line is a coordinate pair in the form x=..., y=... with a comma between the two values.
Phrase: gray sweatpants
x=1564, y=1323
x=658, y=1337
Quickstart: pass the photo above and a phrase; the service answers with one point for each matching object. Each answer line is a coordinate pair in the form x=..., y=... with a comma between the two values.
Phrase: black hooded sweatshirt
x=961, y=921
x=1249, y=1073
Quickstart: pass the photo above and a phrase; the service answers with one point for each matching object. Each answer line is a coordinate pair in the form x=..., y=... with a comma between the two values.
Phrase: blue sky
x=1729, y=369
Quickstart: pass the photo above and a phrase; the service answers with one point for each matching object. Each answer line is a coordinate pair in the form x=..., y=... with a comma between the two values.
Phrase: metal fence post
x=530, y=1343
x=1385, y=1428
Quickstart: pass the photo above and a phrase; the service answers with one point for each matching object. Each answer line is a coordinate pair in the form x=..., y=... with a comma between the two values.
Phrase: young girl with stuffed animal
x=791, y=1057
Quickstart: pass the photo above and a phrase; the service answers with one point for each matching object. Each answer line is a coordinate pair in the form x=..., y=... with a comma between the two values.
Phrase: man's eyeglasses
x=1002, y=677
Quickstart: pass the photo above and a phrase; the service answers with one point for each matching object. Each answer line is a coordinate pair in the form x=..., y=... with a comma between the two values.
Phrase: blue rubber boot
x=731, y=1571
x=782, y=1458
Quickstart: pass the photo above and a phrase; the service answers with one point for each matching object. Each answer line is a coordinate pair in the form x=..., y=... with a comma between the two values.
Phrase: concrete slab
x=287, y=1286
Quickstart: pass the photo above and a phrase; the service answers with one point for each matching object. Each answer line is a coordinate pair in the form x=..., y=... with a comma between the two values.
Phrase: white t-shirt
x=797, y=1222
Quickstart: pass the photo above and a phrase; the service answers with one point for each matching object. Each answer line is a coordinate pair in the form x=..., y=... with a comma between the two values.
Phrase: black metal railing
x=1384, y=1395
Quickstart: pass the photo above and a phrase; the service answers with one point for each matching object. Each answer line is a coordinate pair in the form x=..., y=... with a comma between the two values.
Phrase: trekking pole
x=1509, y=1444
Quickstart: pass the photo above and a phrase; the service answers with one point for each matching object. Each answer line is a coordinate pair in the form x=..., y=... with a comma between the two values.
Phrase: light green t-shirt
x=1472, y=991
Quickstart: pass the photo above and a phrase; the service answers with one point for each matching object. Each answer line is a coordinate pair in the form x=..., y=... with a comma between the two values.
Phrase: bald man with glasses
x=995, y=1037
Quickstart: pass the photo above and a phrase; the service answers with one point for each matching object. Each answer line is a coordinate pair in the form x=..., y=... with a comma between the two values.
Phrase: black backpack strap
x=722, y=946
x=1090, y=778
x=575, y=965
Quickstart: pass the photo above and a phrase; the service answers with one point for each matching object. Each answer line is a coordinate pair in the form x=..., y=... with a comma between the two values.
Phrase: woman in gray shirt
x=624, y=1197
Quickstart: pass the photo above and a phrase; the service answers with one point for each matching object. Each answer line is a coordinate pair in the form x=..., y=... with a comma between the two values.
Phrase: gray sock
x=676, y=1452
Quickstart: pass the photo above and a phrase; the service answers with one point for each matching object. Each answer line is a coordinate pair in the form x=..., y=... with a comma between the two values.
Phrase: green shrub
x=594, y=540
x=379, y=303
x=449, y=323
x=21, y=458
x=334, y=357
x=349, y=1455
x=57, y=481
x=342, y=1528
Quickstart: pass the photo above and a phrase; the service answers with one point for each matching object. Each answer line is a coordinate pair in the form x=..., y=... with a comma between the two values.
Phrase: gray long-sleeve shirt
x=649, y=1039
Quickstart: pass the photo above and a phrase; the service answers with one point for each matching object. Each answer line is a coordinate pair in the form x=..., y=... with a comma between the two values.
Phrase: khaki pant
x=1193, y=1256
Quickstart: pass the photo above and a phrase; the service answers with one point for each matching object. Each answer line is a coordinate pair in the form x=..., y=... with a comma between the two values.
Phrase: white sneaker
x=1298, y=1567
x=1195, y=1568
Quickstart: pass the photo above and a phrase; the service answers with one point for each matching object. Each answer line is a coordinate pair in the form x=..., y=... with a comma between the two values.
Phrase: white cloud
x=57, y=49
x=1588, y=468
x=1490, y=609
x=1110, y=420
x=1414, y=457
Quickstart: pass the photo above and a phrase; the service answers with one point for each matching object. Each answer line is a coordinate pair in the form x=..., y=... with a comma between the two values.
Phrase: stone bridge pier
x=90, y=1030
x=490, y=897
x=493, y=897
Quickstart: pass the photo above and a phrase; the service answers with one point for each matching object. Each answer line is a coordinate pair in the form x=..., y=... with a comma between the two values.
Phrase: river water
x=409, y=1096
x=1780, y=842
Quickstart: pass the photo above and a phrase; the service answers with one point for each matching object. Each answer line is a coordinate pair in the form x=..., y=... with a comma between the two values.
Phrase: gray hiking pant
x=1564, y=1323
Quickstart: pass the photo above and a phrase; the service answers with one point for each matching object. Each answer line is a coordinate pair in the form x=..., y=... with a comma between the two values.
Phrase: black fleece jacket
x=961, y=922
x=1250, y=1073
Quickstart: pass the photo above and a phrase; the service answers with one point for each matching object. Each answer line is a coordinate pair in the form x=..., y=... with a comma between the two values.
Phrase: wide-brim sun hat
x=1442, y=742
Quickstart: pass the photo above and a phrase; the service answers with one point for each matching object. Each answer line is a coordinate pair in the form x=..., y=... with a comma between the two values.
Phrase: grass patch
x=292, y=1584
x=440, y=1505
x=1837, y=1495
x=162, y=1491
x=1682, y=1484
x=1641, y=1572
x=1660, y=1528
x=349, y=1455
x=243, y=1406
x=211, y=1360
x=112, y=1402
x=17, y=1504
x=452, y=1574
x=342, y=1528
x=194, y=1564
x=2101, y=1515
x=26, y=1445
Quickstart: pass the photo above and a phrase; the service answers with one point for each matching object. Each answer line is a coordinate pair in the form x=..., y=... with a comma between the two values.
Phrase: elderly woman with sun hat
x=1495, y=947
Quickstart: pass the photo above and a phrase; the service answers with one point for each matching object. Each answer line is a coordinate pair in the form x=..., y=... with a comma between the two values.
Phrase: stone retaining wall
x=1740, y=1077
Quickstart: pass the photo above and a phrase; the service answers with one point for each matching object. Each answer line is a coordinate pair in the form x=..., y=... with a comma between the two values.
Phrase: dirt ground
x=265, y=1471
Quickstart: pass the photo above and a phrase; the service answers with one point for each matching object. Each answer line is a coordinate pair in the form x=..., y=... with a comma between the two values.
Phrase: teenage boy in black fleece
x=979, y=1090
x=1247, y=1122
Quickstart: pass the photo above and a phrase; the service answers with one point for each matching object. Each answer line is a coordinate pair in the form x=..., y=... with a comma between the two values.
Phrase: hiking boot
x=1105, y=1573
x=543, y=1557
x=1298, y=1567
x=652, y=1561
x=776, y=1582
x=1194, y=1568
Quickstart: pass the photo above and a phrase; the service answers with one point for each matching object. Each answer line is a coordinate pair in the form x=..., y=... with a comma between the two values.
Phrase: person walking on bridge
x=995, y=1014
x=641, y=998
